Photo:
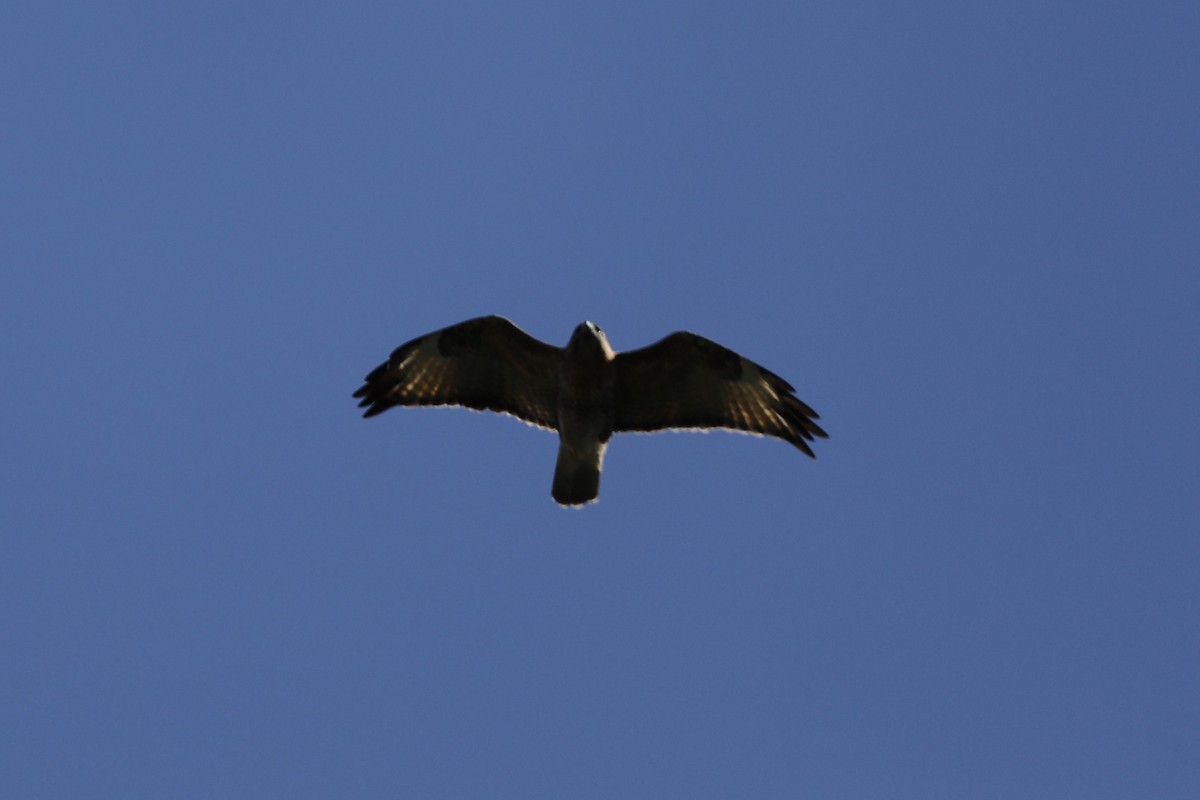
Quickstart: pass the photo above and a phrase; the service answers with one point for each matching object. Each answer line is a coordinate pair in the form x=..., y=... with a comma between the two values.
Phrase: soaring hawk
x=587, y=392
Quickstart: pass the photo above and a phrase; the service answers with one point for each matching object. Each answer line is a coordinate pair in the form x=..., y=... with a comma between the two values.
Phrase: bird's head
x=588, y=337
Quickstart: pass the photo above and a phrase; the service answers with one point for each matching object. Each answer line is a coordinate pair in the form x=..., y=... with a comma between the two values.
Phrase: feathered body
x=587, y=392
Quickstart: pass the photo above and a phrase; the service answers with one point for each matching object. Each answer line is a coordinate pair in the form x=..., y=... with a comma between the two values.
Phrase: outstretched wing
x=486, y=364
x=687, y=381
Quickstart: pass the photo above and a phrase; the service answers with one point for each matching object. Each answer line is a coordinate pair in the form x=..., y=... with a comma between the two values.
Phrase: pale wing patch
x=687, y=382
x=482, y=364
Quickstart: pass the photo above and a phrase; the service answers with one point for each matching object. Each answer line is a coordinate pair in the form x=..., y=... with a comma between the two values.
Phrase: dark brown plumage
x=587, y=392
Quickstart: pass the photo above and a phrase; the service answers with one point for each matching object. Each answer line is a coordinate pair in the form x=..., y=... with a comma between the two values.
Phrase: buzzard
x=587, y=392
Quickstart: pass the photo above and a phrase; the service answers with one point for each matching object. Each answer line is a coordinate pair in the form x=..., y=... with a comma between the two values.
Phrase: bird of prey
x=587, y=392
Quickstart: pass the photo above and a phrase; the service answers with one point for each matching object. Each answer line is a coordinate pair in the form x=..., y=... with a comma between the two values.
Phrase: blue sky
x=967, y=233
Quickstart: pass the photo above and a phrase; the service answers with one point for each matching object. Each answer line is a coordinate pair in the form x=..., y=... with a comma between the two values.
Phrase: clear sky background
x=967, y=232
